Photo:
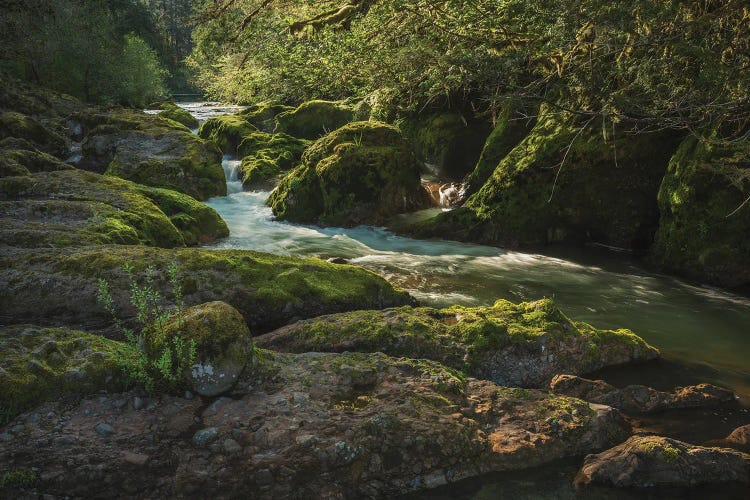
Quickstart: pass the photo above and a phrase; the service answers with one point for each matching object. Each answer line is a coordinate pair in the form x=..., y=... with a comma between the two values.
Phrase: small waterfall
x=232, y=173
x=444, y=195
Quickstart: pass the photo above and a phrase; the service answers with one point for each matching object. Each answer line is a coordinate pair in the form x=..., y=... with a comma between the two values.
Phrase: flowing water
x=702, y=332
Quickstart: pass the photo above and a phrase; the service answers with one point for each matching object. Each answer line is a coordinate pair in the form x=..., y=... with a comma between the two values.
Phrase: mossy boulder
x=313, y=119
x=509, y=130
x=172, y=111
x=15, y=161
x=39, y=364
x=227, y=131
x=59, y=286
x=519, y=345
x=362, y=173
x=267, y=156
x=75, y=207
x=262, y=116
x=222, y=342
x=566, y=184
x=18, y=125
x=449, y=142
x=704, y=226
x=648, y=461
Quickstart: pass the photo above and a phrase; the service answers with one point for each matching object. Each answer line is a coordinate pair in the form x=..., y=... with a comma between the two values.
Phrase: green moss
x=661, y=449
x=38, y=364
x=266, y=156
x=20, y=126
x=468, y=338
x=313, y=119
x=173, y=112
x=509, y=130
x=363, y=172
x=268, y=290
x=227, y=131
x=14, y=162
x=82, y=208
x=697, y=236
x=18, y=479
x=262, y=116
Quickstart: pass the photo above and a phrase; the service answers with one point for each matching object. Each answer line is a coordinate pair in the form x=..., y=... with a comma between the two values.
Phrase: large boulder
x=75, y=207
x=38, y=364
x=226, y=131
x=309, y=425
x=263, y=116
x=221, y=341
x=640, y=398
x=362, y=173
x=151, y=150
x=172, y=111
x=265, y=157
x=567, y=182
x=449, y=142
x=739, y=438
x=60, y=286
x=705, y=218
x=313, y=119
x=647, y=461
x=18, y=125
x=18, y=157
x=519, y=345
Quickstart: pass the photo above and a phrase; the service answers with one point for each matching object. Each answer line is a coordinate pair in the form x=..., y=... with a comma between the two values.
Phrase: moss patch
x=172, y=111
x=266, y=156
x=313, y=119
x=262, y=116
x=21, y=126
x=515, y=344
x=697, y=236
x=227, y=131
x=38, y=364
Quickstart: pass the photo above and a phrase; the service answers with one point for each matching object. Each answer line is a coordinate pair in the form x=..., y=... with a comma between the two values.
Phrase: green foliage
x=160, y=360
x=83, y=48
x=20, y=478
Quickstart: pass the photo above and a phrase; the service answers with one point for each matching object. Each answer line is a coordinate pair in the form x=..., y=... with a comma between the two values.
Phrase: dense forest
x=357, y=248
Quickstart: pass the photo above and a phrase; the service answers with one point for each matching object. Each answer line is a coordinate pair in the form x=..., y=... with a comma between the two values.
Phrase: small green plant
x=160, y=357
x=22, y=478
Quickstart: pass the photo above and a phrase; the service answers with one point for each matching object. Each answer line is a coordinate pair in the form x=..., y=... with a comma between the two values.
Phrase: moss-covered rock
x=267, y=156
x=74, y=207
x=227, y=131
x=648, y=461
x=362, y=173
x=313, y=119
x=447, y=141
x=60, y=286
x=16, y=161
x=519, y=345
x=18, y=125
x=151, y=150
x=564, y=184
x=702, y=234
x=39, y=364
x=509, y=130
x=221, y=340
x=172, y=111
x=262, y=116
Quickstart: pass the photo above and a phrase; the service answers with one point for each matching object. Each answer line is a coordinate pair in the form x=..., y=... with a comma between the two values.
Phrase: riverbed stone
x=647, y=461
x=740, y=438
x=313, y=119
x=640, y=398
x=520, y=345
x=407, y=416
x=151, y=150
x=226, y=131
x=362, y=173
x=60, y=285
x=75, y=208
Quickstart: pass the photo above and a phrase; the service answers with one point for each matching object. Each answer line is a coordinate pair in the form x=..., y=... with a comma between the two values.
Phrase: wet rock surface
x=521, y=345
x=645, y=461
x=305, y=425
x=640, y=398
